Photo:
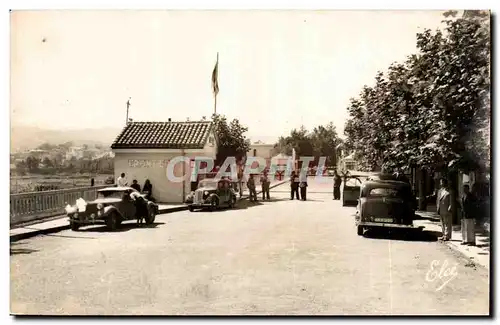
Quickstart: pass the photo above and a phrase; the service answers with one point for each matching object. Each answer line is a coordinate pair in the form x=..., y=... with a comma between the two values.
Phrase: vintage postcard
x=264, y=162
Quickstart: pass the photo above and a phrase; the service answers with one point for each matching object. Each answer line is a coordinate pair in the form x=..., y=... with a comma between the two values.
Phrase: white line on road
x=390, y=277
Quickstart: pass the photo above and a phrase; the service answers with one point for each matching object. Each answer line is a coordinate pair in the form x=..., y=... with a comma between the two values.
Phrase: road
x=271, y=258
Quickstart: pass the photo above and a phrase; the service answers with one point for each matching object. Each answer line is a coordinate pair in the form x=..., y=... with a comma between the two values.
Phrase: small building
x=143, y=150
x=262, y=150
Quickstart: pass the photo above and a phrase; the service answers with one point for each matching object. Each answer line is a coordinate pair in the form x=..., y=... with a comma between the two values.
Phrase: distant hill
x=27, y=137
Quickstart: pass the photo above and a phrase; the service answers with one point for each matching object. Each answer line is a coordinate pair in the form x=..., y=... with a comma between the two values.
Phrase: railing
x=26, y=207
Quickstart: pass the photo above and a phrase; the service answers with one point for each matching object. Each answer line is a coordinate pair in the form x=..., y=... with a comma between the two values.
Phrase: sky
x=278, y=70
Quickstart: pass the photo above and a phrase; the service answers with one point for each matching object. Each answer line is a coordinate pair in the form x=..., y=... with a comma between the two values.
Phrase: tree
x=32, y=163
x=321, y=142
x=431, y=111
x=325, y=141
x=230, y=138
x=46, y=146
x=47, y=162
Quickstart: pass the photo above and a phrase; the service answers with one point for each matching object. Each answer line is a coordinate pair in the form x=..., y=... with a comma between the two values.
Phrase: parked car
x=213, y=194
x=112, y=206
x=386, y=204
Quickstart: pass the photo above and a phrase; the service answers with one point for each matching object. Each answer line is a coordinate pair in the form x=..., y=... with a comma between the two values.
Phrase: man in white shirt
x=444, y=209
x=121, y=181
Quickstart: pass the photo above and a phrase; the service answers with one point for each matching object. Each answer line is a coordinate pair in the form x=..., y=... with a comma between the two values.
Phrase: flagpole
x=217, y=76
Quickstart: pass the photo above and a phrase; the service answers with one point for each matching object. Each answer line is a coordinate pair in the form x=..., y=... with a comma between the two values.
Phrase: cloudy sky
x=278, y=69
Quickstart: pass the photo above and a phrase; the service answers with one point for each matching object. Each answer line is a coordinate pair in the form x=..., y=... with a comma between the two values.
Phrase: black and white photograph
x=306, y=162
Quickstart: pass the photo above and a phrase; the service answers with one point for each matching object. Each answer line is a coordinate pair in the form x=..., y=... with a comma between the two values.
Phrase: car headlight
x=99, y=206
x=205, y=193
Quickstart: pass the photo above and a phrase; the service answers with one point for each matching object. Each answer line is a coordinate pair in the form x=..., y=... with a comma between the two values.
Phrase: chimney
x=169, y=119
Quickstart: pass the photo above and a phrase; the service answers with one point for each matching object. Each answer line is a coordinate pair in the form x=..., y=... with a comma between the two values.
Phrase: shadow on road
x=123, y=227
x=403, y=235
x=20, y=251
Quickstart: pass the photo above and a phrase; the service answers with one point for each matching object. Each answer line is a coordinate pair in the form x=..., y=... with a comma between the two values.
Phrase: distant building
x=345, y=159
x=262, y=150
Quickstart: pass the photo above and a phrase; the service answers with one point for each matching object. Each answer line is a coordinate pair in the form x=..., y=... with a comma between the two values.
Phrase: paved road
x=281, y=257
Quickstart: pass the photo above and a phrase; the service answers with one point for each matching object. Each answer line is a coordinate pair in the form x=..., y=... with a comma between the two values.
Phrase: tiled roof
x=166, y=135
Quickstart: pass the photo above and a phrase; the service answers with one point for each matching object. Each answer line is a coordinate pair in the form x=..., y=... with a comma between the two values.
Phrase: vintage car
x=213, y=194
x=112, y=206
x=385, y=204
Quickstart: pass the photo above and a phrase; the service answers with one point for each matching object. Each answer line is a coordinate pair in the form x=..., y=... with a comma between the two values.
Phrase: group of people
x=298, y=181
x=468, y=203
x=146, y=189
x=265, y=182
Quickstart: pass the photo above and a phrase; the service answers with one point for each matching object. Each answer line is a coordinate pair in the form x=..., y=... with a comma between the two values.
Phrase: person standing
x=148, y=190
x=444, y=209
x=337, y=181
x=469, y=204
x=303, y=185
x=135, y=185
x=251, y=188
x=121, y=181
x=266, y=184
x=294, y=186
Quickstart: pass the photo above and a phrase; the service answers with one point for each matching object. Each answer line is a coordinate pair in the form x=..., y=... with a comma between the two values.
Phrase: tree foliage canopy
x=230, y=137
x=433, y=109
x=320, y=142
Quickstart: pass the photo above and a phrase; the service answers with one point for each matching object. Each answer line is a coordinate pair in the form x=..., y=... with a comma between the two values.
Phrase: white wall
x=142, y=164
x=262, y=150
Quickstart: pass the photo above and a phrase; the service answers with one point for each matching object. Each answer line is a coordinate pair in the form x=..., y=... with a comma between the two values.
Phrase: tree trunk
x=422, y=202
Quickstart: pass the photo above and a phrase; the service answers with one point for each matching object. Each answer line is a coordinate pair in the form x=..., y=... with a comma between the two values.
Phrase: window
x=384, y=192
x=255, y=152
x=211, y=140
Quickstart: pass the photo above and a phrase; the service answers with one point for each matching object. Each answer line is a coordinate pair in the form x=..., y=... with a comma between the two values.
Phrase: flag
x=215, y=77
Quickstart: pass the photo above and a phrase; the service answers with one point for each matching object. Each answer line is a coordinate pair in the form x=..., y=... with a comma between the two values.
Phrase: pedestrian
x=303, y=185
x=251, y=188
x=294, y=186
x=135, y=185
x=337, y=181
x=121, y=181
x=240, y=180
x=148, y=190
x=92, y=182
x=444, y=210
x=469, y=205
x=266, y=184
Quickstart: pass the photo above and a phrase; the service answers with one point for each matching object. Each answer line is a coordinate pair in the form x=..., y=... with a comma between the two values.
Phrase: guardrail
x=26, y=207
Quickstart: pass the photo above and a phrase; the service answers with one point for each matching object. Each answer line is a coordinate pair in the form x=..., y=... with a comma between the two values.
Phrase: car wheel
x=112, y=222
x=190, y=208
x=150, y=218
x=74, y=226
x=214, y=204
x=360, y=230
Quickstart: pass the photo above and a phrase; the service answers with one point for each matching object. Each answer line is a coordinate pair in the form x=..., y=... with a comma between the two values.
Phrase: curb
x=34, y=233
x=26, y=235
